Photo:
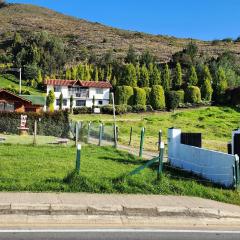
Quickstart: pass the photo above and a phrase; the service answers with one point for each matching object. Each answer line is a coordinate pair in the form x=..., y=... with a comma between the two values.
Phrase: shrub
x=192, y=94
x=119, y=109
x=139, y=108
x=51, y=124
x=173, y=100
x=149, y=108
x=124, y=95
x=139, y=97
x=147, y=91
x=82, y=110
x=180, y=94
x=157, y=97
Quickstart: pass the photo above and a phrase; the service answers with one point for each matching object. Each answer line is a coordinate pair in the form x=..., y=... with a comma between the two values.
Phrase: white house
x=83, y=92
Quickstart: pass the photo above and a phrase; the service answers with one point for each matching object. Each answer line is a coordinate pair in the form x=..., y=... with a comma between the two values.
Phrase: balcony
x=78, y=92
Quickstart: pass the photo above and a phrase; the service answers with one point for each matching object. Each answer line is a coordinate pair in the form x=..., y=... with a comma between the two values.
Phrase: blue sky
x=201, y=19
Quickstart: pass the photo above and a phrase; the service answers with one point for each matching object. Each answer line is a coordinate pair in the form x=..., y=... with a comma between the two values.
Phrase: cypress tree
x=144, y=77
x=131, y=57
x=74, y=73
x=129, y=77
x=71, y=104
x=80, y=72
x=68, y=74
x=166, y=81
x=60, y=101
x=193, y=78
x=96, y=74
x=50, y=101
x=155, y=76
x=221, y=82
x=206, y=90
x=178, y=77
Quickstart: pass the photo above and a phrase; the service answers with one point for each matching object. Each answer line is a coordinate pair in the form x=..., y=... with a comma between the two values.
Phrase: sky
x=197, y=19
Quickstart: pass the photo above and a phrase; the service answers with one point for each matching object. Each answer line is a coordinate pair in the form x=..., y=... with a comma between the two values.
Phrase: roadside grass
x=215, y=123
x=51, y=169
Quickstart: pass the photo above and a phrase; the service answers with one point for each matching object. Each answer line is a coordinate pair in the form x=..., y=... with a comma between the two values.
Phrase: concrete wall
x=212, y=165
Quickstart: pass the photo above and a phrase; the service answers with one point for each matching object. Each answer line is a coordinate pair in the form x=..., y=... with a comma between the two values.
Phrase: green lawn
x=216, y=124
x=9, y=80
x=50, y=168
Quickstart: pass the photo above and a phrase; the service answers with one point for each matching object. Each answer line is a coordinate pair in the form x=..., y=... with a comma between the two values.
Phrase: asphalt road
x=119, y=235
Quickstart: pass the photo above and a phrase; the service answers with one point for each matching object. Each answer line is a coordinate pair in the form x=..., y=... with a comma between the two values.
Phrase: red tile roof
x=59, y=82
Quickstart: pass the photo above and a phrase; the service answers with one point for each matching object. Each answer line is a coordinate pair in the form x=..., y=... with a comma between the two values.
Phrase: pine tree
x=166, y=81
x=129, y=77
x=178, y=77
x=193, y=78
x=131, y=57
x=144, y=77
x=155, y=76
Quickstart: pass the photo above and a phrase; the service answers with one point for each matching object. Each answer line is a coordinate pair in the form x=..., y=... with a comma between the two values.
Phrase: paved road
x=120, y=235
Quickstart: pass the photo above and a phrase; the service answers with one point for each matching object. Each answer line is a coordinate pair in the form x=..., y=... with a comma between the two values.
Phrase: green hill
x=94, y=37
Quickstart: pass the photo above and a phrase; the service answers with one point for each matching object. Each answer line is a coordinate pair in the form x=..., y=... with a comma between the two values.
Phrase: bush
x=149, y=108
x=157, y=97
x=139, y=97
x=180, y=94
x=124, y=95
x=51, y=124
x=119, y=109
x=173, y=100
x=139, y=108
x=147, y=91
x=192, y=94
x=82, y=110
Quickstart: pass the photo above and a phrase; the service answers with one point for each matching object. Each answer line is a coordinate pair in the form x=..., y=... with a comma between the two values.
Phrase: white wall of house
x=102, y=96
x=212, y=165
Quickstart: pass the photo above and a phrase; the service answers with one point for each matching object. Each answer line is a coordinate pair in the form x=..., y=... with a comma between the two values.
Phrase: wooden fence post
x=35, y=133
x=141, y=142
x=130, y=139
x=159, y=139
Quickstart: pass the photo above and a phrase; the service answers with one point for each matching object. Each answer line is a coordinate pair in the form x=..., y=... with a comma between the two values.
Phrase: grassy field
x=215, y=123
x=9, y=80
x=48, y=168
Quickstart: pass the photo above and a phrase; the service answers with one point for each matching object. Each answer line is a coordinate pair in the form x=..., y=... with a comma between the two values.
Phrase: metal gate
x=192, y=139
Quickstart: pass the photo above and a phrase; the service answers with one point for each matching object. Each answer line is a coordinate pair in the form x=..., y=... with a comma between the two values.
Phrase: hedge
x=119, y=109
x=82, y=110
x=139, y=97
x=139, y=108
x=50, y=124
x=173, y=100
x=148, y=92
x=157, y=97
x=192, y=94
x=180, y=94
x=124, y=95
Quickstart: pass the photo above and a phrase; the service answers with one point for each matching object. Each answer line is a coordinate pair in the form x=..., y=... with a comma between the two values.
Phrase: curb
x=118, y=210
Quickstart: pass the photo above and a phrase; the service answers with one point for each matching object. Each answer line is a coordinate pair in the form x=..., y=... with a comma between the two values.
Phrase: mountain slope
x=96, y=37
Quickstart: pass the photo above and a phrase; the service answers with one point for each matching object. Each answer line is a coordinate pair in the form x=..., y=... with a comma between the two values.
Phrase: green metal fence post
x=130, y=139
x=159, y=139
x=77, y=133
x=78, y=158
x=141, y=142
x=89, y=128
x=100, y=134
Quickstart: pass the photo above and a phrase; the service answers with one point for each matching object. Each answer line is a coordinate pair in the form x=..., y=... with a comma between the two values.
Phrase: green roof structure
x=35, y=100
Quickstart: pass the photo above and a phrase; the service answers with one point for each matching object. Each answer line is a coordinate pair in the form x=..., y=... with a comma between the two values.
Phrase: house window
x=57, y=88
x=64, y=102
x=9, y=107
x=80, y=103
x=99, y=91
x=100, y=102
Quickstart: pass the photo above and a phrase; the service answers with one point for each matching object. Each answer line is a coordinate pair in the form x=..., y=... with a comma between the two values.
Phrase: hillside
x=78, y=33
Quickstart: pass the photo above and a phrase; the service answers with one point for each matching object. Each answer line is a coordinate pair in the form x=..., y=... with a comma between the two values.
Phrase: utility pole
x=114, y=117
